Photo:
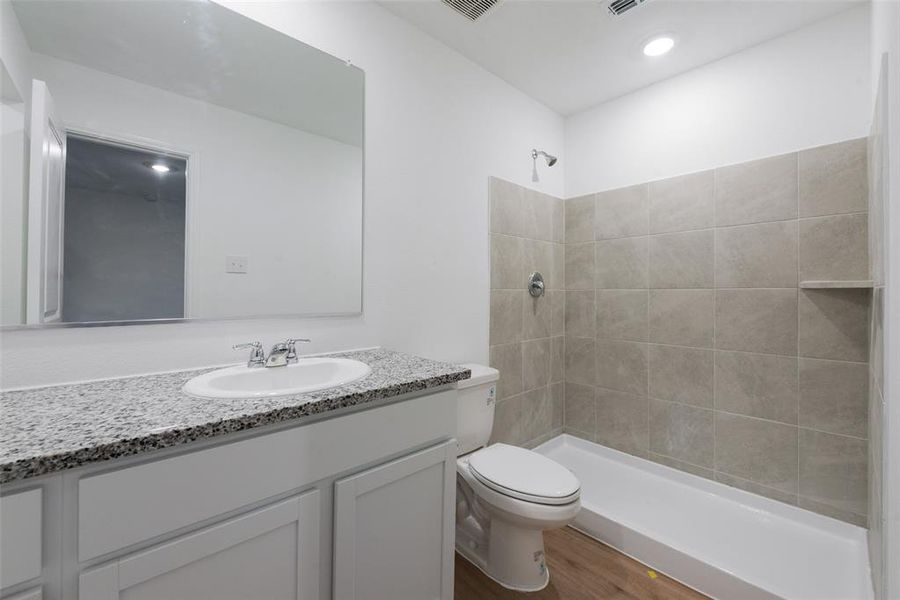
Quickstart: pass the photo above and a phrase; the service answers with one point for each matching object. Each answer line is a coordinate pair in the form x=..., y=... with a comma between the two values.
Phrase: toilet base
x=513, y=556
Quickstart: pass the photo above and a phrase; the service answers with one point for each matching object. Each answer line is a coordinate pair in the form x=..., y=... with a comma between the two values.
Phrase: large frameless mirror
x=174, y=160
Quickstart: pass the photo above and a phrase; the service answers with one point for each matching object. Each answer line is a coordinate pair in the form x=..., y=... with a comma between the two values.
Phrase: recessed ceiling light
x=659, y=46
x=160, y=168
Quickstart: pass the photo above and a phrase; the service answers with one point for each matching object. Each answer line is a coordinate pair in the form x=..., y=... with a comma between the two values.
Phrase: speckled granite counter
x=44, y=430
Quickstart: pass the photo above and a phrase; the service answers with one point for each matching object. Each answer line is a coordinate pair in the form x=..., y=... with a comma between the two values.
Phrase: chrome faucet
x=282, y=354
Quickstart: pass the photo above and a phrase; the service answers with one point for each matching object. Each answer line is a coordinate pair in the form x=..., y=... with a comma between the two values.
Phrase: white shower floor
x=724, y=542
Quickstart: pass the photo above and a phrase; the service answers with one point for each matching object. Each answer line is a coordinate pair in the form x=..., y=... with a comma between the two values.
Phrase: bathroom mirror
x=153, y=171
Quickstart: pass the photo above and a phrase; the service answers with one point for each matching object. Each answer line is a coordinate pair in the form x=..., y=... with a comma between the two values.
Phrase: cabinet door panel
x=269, y=553
x=20, y=542
x=394, y=529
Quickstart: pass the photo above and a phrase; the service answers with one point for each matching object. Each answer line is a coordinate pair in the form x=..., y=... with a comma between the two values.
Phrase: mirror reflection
x=152, y=170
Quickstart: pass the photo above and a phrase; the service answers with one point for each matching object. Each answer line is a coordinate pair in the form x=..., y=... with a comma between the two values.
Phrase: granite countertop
x=50, y=429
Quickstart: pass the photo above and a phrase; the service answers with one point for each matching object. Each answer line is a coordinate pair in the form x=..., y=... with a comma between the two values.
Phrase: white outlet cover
x=236, y=264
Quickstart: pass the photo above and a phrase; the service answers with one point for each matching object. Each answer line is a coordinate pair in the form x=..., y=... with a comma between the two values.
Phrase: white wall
x=287, y=199
x=807, y=88
x=437, y=126
x=15, y=80
x=885, y=35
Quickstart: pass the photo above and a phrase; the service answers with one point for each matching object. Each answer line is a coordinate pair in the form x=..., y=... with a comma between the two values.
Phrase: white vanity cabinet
x=394, y=528
x=358, y=505
x=271, y=552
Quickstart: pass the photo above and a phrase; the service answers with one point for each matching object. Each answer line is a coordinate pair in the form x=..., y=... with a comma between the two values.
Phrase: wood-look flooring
x=581, y=568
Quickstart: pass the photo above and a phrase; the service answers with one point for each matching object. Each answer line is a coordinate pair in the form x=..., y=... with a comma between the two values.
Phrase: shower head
x=551, y=160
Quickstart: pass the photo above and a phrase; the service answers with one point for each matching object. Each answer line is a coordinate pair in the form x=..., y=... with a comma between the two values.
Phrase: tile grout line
x=715, y=315
x=797, y=299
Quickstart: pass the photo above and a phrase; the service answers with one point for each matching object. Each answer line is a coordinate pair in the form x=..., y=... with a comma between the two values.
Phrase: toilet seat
x=524, y=475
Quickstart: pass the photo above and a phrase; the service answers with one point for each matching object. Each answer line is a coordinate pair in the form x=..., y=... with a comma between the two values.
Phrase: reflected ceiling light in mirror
x=159, y=167
x=659, y=45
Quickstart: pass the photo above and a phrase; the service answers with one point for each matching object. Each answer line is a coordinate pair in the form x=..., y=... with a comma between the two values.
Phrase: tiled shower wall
x=878, y=170
x=688, y=340
x=526, y=334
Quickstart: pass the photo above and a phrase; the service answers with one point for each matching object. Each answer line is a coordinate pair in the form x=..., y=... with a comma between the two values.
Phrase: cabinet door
x=393, y=537
x=271, y=553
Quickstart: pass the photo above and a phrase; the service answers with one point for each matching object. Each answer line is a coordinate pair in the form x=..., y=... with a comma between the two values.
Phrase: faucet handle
x=257, y=356
x=291, y=350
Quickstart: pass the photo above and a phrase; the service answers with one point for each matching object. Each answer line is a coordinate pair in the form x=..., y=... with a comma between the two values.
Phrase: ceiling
x=203, y=51
x=572, y=55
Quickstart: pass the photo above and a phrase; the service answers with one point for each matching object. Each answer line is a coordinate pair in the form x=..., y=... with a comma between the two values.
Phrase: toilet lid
x=524, y=474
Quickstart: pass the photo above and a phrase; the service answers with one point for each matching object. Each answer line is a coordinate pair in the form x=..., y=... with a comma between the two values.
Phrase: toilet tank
x=475, y=408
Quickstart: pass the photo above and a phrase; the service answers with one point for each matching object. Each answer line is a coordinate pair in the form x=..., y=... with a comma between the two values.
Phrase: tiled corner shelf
x=832, y=284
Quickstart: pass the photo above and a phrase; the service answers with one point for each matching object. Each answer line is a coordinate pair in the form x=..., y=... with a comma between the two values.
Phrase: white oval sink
x=306, y=375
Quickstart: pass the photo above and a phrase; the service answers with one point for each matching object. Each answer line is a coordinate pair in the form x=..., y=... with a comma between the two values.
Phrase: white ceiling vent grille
x=617, y=7
x=472, y=9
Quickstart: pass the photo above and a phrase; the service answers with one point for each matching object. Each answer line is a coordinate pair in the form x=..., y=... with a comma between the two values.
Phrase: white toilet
x=506, y=496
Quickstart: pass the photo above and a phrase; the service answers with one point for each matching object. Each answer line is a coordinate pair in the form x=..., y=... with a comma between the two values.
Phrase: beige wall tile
x=682, y=375
x=557, y=401
x=579, y=408
x=760, y=451
x=622, y=314
x=508, y=421
x=834, y=324
x=755, y=320
x=622, y=366
x=682, y=432
x=579, y=259
x=536, y=317
x=559, y=220
x=833, y=470
x=668, y=461
x=683, y=260
x=876, y=336
x=506, y=262
x=682, y=317
x=580, y=219
x=834, y=513
x=557, y=359
x=763, y=255
x=536, y=413
x=506, y=316
x=556, y=299
x=834, y=396
x=833, y=179
x=622, y=421
x=580, y=313
x=507, y=359
x=757, y=191
x=834, y=248
x=506, y=207
x=755, y=488
x=580, y=360
x=622, y=213
x=757, y=385
x=537, y=215
x=536, y=363
x=559, y=266
x=682, y=203
x=622, y=263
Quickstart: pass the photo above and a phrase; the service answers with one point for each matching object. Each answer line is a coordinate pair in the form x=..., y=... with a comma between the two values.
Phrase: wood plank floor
x=581, y=568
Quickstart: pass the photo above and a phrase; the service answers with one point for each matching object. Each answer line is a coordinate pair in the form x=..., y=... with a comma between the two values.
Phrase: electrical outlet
x=236, y=264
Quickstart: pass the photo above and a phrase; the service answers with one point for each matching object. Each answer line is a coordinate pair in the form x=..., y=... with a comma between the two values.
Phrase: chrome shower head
x=551, y=160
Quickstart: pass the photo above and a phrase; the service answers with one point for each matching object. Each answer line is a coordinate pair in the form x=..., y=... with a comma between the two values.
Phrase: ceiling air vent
x=472, y=9
x=617, y=7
